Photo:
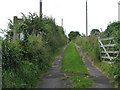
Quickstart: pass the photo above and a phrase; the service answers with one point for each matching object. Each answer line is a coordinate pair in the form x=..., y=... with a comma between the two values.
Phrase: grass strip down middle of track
x=74, y=68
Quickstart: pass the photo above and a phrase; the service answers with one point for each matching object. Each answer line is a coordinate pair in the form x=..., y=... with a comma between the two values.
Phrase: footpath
x=52, y=79
x=99, y=79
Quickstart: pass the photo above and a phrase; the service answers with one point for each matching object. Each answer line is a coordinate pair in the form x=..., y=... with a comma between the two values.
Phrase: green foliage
x=72, y=56
x=90, y=46
x=24, y=60
x=115, y=73
x=111, y=70
x=113, y=30
x=81, y=82
x=94, y=32
x=72, y=64
x=72, y=35
x=37, y=51
x=24, y=76
x=11, y=54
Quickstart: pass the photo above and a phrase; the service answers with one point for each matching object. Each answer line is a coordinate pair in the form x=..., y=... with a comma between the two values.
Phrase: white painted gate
x=109, y=49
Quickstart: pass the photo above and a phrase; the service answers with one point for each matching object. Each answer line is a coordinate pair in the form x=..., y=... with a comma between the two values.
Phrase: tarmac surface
x=52, y=79
x=99, y=79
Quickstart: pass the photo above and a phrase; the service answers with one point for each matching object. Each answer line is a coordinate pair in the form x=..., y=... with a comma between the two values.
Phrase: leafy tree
x=73, y=34
x=113, y=29
x=95, y=32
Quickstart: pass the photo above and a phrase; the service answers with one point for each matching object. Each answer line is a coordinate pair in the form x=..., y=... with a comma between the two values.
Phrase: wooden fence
x=109, y=49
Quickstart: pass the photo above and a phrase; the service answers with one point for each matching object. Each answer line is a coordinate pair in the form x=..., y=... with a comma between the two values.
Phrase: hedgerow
x=90, y=46
x=113, y=30
x=24, y=60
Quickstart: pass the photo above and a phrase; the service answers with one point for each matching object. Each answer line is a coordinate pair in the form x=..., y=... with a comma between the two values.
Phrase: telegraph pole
x=86, y=19
x=62, y=22
x=119, y=11
x=41, y=8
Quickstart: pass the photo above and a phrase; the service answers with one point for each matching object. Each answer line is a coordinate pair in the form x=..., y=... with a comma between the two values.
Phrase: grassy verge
x=90, y=46
x=73, y=66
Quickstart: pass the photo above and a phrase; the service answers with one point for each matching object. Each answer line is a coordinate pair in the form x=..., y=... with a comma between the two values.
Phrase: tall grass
x=72, y=64
x=90, y=47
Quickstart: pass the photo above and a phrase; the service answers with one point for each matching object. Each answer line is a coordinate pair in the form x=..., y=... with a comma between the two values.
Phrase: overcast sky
x=100, y=12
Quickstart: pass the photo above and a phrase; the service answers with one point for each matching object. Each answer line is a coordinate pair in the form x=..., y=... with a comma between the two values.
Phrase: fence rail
x=110, y=52
x=111, y=38
x=109, y=45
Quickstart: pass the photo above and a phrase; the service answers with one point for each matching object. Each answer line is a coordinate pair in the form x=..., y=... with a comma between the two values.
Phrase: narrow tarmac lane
x=52, y=79
x=99, y=79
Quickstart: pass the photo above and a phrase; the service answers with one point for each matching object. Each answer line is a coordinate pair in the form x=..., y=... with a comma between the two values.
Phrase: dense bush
x=38, y=52
x=11, y=54
x=95, y=32
x=24, y=60
x=73, y=34
x=113, y=30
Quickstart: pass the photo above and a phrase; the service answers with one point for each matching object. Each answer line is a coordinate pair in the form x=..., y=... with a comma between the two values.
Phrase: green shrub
x=113, y=30
x=25, y=76
x=11, y=54
x=38, y=52
x=115, y=73
x=25, y=60
x=90, y=46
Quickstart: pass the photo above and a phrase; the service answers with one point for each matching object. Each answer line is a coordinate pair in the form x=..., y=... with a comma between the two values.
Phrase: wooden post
x=86, y=19
x=41, y=8
x=62, y=22
x=99, y=48
x=15, y=21
x=119, y=11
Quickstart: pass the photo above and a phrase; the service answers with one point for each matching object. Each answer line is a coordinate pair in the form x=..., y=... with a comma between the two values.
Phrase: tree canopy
x=94, y=32
x=73, y=34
